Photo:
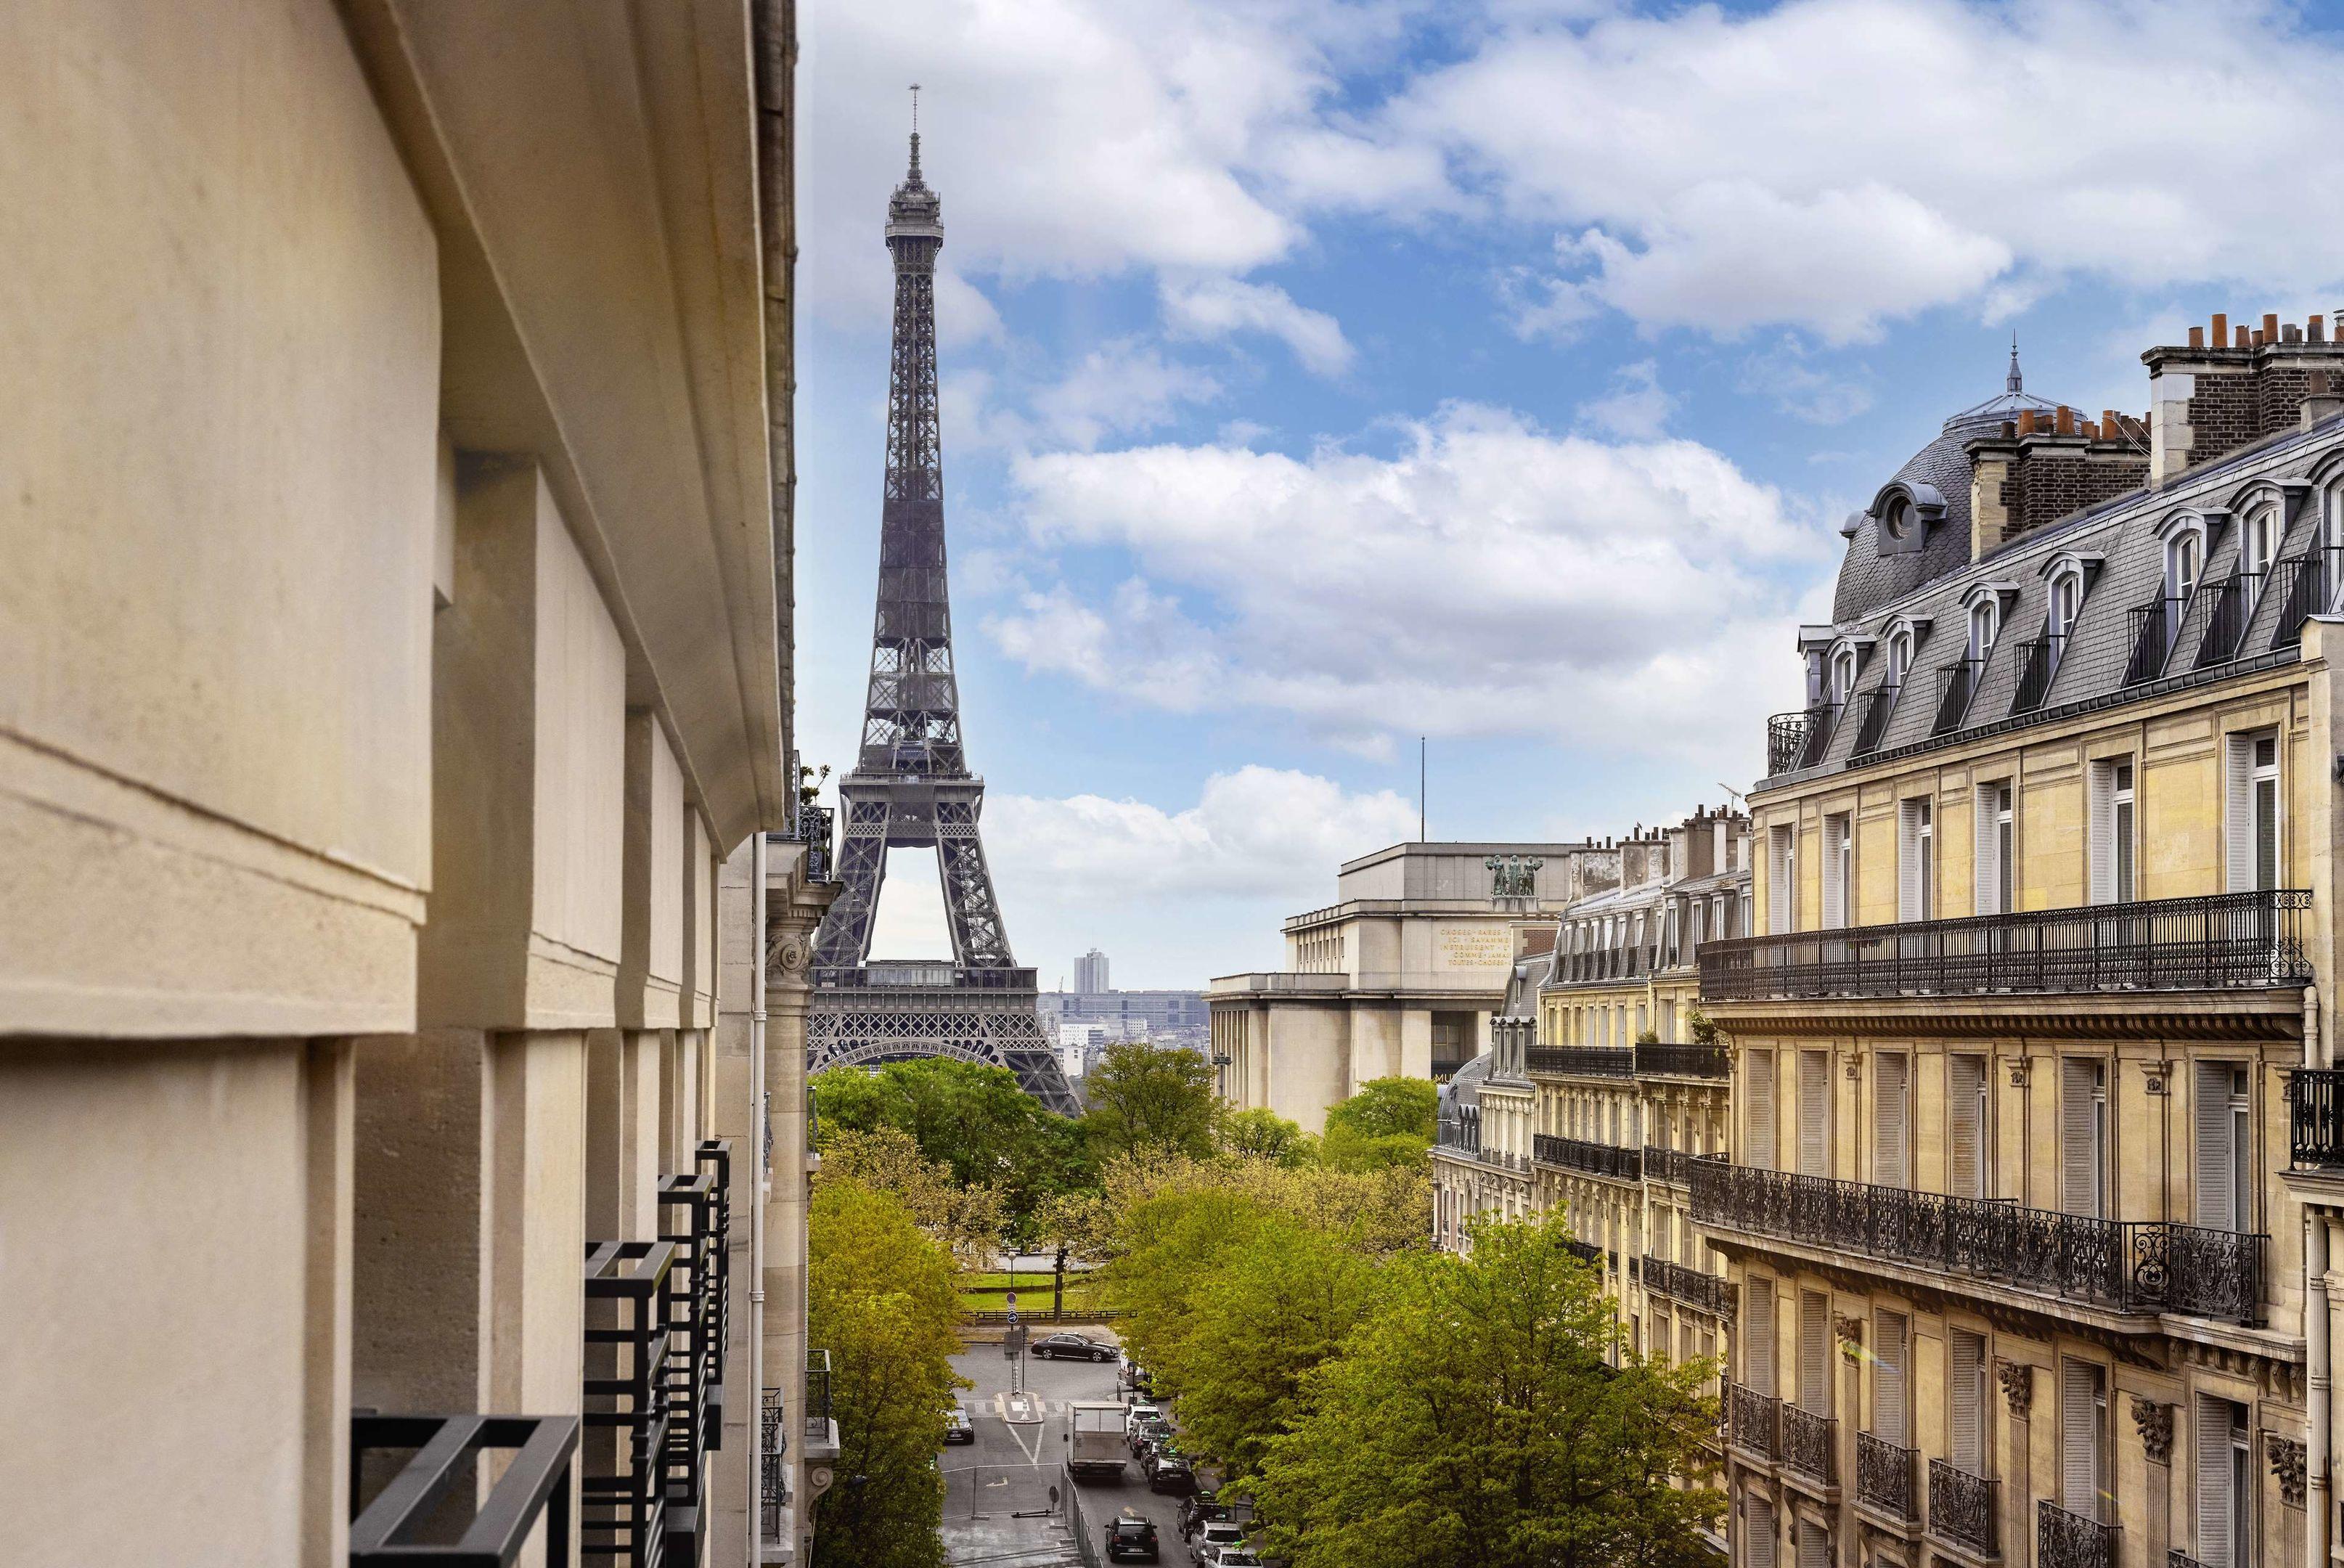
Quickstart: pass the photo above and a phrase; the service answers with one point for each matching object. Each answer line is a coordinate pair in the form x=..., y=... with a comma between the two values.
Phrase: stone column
x=2017, y=1379
x=2153, y=1421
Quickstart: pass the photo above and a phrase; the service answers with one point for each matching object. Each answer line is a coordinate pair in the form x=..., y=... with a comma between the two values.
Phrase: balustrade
x=1810, y=1444
x=1749, y=1420
x=1965, y=1507
x=2065, y=1540
x=1592, y=1159
x=2315, y=1118
x=1886, y=1476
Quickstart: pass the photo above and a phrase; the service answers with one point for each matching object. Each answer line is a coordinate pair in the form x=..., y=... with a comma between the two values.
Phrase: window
x=2226, y=1484
x=2257, y=548
x=1917, y=859
x=1966, y=1406
x=2083, y=1442
x=1814, y=1352
x=2066, y=601
x=1900, y=659
x=1839, y=867
x=1781, y=878
x=1757, y=1531
x=1966, y=1158
x=1890, y=1163
x=1814, y=1113
x=2225, y=1138
x=1760, y=1110
x=1996, y=842
x=1985, y=620
x=2185, y=557
x=2112, y=830
x=1842, y=676
x=2084, y=1136
x=1890, y=1417
x=2253, y=831
x=1668, y=1023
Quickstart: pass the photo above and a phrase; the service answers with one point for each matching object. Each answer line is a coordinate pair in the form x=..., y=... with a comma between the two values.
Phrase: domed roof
x=1464, y=1086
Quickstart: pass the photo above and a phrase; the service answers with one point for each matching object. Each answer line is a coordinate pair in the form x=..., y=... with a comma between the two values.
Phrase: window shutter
x=1835, y=864
x=1908, y=860
x=1815, y=1354
x=1762, y=1109
x=1814, y=1110
x=2078, y=1178
x=1965, y=1145
x=2238, y=824
x=1888, y=1142
x=1758, y=1532
x=2267, y=832
x=2102, y=832
x=1985, y=878
x=1778, y=879
x=1965, y=1408
x=2213, y=1501
x=1888, y=1418
x=2216, y=1201
x=1814, y=1546
x=1758, y=1337
x=2079, y=1437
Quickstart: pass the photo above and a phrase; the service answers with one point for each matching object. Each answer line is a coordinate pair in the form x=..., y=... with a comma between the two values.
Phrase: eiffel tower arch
x=911, y=787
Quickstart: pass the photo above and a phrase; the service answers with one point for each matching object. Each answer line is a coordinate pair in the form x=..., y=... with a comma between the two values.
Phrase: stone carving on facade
x=2285, y=1454
x=2017, y=1385
x=1851, y=1335
x=2156, y=1423
x=1513, y=876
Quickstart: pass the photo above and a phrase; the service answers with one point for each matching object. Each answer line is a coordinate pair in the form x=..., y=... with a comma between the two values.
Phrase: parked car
x=958, y=1428
x=1236, y=1557
x=1147, y=1426
x=1075, y=1347
x=1143, y=1409
x=1169, y=1471
x=1131, y=1538
x=1220, y=1532
x=1200, y=1509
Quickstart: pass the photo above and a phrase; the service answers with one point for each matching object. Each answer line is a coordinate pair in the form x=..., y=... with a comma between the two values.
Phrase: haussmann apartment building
x=2037, y=1156
x=400, y=1146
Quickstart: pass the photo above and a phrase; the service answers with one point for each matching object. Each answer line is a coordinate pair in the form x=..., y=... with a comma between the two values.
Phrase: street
x=1012, y=1467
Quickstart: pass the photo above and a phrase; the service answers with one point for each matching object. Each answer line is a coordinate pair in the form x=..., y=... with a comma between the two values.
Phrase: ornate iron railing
x=2226, y=941
x=2305, y=585
x=2065, y=1540
x=812, y=827
x=1749, y=1420
x=2123, y=1265
x=1667, y=1165
x=1878, y=703
x=2230, y=607
x=817, y=1395
x=773, y=1467
x=2177, y=1558
x=2156, y=628
x=1593, y=1159
x=1888, y=1477
x=1585, y=1251
x=1597, y=1061
x=2315, y=1117
x=1625, y=962
x=1810, y=1444
x=1708, y=1292
x=1965, y=1507
x=444, y=1459
x=1960, y=684
x=2038, y=661
x=1786, y=739
x=1682, y=1061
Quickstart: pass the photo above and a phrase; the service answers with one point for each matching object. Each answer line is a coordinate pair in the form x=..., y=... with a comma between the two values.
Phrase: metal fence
x=817, y=1394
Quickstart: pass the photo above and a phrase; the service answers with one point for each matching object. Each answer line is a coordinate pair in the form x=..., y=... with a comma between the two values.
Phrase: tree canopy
x=1389, y=1122
x=1260, y=1133
x=1150, y=1099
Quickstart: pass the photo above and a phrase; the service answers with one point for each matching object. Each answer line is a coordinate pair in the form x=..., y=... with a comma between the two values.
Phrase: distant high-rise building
x=1090, y=972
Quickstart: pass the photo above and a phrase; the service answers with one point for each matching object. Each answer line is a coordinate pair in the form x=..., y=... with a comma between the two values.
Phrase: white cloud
x=1804, y=390
x=1637, y=406
x=1487, y=578
x=1255, y=832
x=1218, y=306
x=1120, y=389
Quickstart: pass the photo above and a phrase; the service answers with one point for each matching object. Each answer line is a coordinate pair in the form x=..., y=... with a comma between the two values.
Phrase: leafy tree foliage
x=882, y=1299
x=967, y=1220
x=1472, y=1418
x=1389, y=1122
x=1150, y=1099
x=1260, y=1133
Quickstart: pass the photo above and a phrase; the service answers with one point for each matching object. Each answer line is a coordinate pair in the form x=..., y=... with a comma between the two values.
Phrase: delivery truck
x=1098, y=1450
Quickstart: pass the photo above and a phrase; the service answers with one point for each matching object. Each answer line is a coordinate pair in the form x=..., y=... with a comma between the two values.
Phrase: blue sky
x=1320, y=376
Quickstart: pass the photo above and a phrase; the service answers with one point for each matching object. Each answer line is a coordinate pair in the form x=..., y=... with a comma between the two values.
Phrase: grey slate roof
x=1867, y=579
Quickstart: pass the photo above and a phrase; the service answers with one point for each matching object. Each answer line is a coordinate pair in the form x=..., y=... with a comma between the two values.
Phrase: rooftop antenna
x=1420, y=789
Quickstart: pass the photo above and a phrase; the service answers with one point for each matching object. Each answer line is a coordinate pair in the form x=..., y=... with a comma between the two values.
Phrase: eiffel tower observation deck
x=911, y=787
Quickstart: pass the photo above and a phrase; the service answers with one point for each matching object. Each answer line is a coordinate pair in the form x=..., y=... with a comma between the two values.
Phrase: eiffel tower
x=911, y=787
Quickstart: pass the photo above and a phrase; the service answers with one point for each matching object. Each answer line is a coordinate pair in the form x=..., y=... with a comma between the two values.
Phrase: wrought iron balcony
x=2226, y=941
x=444, y=1461
x=2315, y=1118
x=820, y=1428
x=1751, y=1422
x=630, y=1339
x=1589, y=1061
x=1708, y=1292
x=2228, y=610
x=812, y=825
x=1877, y=705
x=2065, y=1540
x=2124, y=1265
x=773, y=1467
x=1786, y=739
x=2177, y=1558
x=1966, y=1508
x=1960, y=684
x=2305, y=585
x=2155, y=630
x=1592, y=1159
x=1585, y=1251
x=1667, y=1164
x=1810, y=1444
x=2038, y=661
x=1888, y=1477
x=1682, y=1061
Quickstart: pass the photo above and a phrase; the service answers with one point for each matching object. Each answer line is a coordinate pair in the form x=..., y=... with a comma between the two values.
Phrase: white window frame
x=2184, y=572
x=2114, y=830
x=1782, y=878
x=1916, y=857
x=2258, y=541
x=1984, y=625
x=1842, y=685
x=1994, y=829
x=2255, y=802
x=1839, y=869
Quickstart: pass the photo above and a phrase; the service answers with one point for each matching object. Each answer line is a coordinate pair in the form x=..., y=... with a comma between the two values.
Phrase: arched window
x=1842, y=676
x=2066, y=603
x=1985, y=620
x=2258, y=543
x=2185, y=560
x=1900, y=658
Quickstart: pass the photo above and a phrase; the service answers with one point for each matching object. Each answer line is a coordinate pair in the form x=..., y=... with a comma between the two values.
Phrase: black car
x=1060, y=1346
x=1200, y=1509
x=1131, y=1537
x=958, y=1428
x=1169, y=1471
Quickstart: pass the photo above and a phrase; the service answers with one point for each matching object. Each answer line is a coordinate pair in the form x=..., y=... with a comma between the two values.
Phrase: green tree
x=967, y=1220
x=1260, y=1133
x=1389, y=1122
x=883, y=1298
x=1475, y=1418
x=1148, y=1098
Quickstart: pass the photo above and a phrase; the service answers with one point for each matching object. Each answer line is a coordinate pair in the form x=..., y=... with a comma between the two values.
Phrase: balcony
x=820, y=1429
x=1708, y=1292
x=446, y=1460
x=631, y=1341
x=1877, y=705
x=1966, y=1509
x=773, y=1467
x=1887, y=1478
x=1810, y=1444
x=2156, y=628
x=1682, y=1061
x=2228, y=940
x=2230, y=607
x=2065, y=1540
x=1605, y=1160
x=2315, y=1118
x=1795, y=740
x=811, y=826
x=2305, y=585
x=1750, y=1421
x=2038, y=661
x=1588, y=1061
x=1667, y=1165
x=2124, y=1265
x=1961, y=683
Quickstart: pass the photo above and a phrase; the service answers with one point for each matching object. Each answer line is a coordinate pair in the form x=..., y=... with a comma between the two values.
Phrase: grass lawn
x=1031, y=1297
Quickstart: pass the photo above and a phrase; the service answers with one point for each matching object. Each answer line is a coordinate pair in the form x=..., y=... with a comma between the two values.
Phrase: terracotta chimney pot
x=2271, y=327
x=2196, y=336
x=2026, y=422
x=2221, y=332
x=2063, y=421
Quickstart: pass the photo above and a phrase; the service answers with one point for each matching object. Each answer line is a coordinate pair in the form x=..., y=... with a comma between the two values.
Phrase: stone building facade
x=398, y=640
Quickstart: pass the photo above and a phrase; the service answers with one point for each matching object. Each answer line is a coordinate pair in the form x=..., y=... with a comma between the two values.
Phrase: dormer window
x=2185, y=560
x=2066, y=603
x=1842, y=676
x=2257, y=548
x=1985, y=620
x=1900, y=658
x=1898, y=520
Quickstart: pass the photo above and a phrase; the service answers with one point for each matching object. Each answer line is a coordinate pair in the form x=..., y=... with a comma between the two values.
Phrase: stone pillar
x=2017, y=1379
x=2152, y=1421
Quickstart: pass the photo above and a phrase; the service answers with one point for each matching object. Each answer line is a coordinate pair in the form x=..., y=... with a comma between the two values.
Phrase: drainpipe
x=2318, y=1519
x=757, y=1134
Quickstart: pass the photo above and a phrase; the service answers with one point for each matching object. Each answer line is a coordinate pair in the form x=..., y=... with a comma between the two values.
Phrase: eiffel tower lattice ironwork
x=911, y=786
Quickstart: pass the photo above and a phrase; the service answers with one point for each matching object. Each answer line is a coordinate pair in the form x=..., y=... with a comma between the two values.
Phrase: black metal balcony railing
x=1597, y=1061
x=1585, y=1251
x=2177, y=1558
x=1749, y=1420
x=1786, y=739
x=444, y=1459
x=2123, y=1265
x=2228, y=610
x=2156, y=628
x=1810, y=1444
x=1681, y=1061
x=2227, y=941
x=687, y=1217
x=714, y=1158
x=1667, y=1165
x=773, y=1467
x=1960, y=684
x=1708, y=1292
x=1592, y=1159
x=811, y=826
x=1887, y=1476
x=2065, y=1540
x=2315, y=1118
x=2305, y=585
x=1876, y=704
x=2038, y=661
x=1625, y=962
x=1965, y=1507
x=817, y=1396
x=629, y=1344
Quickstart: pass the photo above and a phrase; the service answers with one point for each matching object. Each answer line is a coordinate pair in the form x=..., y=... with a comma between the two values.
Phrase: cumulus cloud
x=1637, y=404
x=1215, y=307
x=1488, y=576
x=1121, y=389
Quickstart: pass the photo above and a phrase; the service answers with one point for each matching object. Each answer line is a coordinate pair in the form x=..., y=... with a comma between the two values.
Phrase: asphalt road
x=1011, y=1468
